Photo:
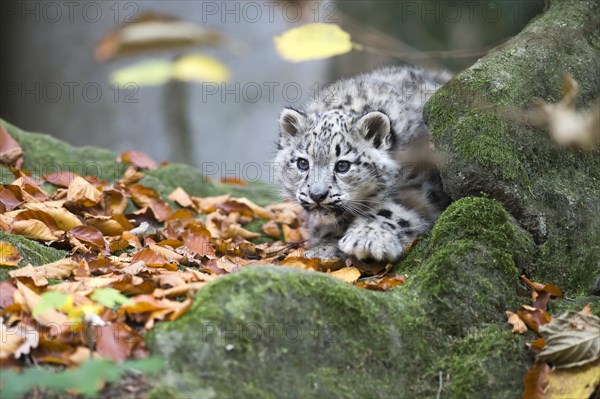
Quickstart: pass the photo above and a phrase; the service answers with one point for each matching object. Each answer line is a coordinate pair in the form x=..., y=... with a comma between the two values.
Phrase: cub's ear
x=291, y=122
x=375, y=127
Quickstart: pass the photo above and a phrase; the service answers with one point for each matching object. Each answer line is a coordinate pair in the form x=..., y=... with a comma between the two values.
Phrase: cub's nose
x=318, y=196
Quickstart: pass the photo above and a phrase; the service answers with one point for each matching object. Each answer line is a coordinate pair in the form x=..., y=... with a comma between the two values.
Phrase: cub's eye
x=342, y=166
x=302, y=164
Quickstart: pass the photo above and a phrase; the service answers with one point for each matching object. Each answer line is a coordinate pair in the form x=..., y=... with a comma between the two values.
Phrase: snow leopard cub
x=355, y=157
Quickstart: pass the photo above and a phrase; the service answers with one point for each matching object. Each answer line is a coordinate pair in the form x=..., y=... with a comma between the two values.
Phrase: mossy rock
x=45, y=154
x=270, y=331
x=31, y=251
x=553, y=192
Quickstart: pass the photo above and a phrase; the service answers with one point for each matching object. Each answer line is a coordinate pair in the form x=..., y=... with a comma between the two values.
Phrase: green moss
x=169, y=177
x=477, y=121
x=31, y=251
x=476, y=366
x=351, y=342
x=45, y=154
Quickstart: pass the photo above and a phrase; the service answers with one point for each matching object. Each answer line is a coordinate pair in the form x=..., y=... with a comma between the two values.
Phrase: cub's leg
x=384, y=235
x=324, y=240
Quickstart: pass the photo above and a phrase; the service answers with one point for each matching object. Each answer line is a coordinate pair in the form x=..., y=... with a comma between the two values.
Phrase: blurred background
x=58, y=60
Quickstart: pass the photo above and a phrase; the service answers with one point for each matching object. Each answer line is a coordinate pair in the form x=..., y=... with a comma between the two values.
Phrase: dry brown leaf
x=11, y=152
x=536, y=381
x=9, y=255
x=209, y=204
x=291, y=234
x=56, y=321
x=11, y=197
x=181, y=198
x=138, y=159
x=259, y=211
x=271, y=229
x=518, y=325
x=83, y=193
x=382, y=283
x=533, y=317
x=147, y=197
x=30, y=272
x=33, y=229
x=89, y=235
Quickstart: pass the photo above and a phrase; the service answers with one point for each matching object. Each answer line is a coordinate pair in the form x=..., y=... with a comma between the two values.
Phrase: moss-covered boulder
x=553, y=192
x=45, y=154
x=270, y=331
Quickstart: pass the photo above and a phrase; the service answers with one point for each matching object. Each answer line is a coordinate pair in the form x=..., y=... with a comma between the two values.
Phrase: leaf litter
x=134, y=259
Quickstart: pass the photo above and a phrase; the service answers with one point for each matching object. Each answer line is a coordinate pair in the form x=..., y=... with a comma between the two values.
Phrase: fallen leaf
x=147, y=197
x=518, y=325
x=11, y=197
x=382, y=283
x=347, y=274
x=62, y=178
x=89, y=235
x=574, y=382
x=533, y=317
x=572, y=339
x=6, y=294
x=536, y=381
x=271, y=229
x=52, y=319
x=30, y=272
x=181, y=197
x=33, y=229
x=9, y=255
x=83, y=193
x=11, y=152
x=138, y=159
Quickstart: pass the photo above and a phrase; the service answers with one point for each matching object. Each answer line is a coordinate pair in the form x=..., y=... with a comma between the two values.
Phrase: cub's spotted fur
x=356, y=158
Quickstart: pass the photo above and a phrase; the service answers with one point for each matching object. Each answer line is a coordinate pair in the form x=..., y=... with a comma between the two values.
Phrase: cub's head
x=336, y=162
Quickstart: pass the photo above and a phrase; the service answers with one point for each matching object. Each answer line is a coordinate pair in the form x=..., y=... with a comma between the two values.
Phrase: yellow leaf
x=145, y=73
x=347, y=274
x=573, y=382
x=9, y=255
x=313, y=42
x=200, y=68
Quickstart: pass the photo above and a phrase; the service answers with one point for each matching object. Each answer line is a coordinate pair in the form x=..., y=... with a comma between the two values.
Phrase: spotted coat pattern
x=356, y=158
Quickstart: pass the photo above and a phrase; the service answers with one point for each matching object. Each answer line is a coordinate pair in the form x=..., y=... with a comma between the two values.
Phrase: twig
x=441, y=385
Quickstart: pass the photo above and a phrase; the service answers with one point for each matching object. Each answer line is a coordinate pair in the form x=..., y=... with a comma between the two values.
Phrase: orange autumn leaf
x=515, y=321
x=536, y=381
x=533, y=317
x=83, y=193
x=9, y=255
x=383, y=283
x=89, y=235
x=146, y=197
x=11, y=152
x=181, y=198
x=138, y=159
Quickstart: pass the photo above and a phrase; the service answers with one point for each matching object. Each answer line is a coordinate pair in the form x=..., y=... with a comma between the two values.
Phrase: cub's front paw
x=324, y=250
x=370, y=242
